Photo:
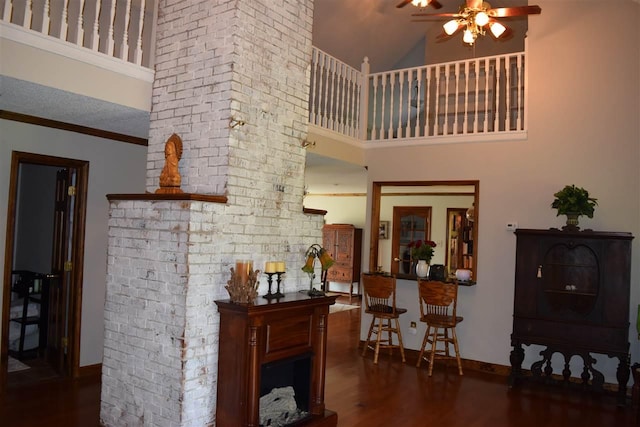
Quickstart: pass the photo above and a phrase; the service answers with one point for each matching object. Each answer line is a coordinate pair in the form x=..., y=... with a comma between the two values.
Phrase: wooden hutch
x=572, y=296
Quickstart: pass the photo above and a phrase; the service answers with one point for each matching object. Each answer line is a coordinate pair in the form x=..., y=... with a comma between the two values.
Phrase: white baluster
x=476, y=72
x=436, y=128
x=325, y=87
x=401, y=101
x=416, y=126
x=8, y=9
x=313, y=119
x=124, y=47
x=363, y=96
x=137, y=53
x=46, y=18
x=507, y=87
x=497, y=92
x=79, y=33
x=456, y=101
x=341, y=90
x=64, y=21
x=94, y=37
x=332, y=89
x=26, y=19
x=110, y=40
x=427, y=102
x=375, y=135
x=520, y=92
x=488, y=76
x=384, y=127
x=392, y=83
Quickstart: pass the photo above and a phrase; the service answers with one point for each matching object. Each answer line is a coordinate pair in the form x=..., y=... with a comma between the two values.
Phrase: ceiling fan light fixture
x=451, y=27
x=481, y=18
x=497, y=29
x=420, y=3
x=468, y=36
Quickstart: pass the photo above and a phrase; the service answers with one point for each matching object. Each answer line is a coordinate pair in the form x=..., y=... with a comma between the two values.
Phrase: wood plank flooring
x=364, y=395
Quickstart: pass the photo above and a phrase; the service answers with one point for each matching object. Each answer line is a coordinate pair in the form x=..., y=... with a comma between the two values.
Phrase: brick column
x=232, y=81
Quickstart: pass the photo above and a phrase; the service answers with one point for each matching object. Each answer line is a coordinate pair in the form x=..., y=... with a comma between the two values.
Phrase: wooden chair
x=379, y=293
x=438, y=302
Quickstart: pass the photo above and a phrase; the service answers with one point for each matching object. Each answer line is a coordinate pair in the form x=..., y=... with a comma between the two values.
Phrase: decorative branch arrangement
x=243, y=288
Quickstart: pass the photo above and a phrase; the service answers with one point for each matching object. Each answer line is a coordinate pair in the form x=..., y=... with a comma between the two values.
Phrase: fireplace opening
x=285, y=390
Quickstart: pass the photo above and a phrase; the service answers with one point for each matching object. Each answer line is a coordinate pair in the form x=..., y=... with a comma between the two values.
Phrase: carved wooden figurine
x=170, y=179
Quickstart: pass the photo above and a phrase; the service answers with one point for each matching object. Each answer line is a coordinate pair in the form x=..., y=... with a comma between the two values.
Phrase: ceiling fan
x=475, y=16
x=420, y=3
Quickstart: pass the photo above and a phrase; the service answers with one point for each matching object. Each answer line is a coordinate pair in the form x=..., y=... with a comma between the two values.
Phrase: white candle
x=379, y=257
x=280, y=267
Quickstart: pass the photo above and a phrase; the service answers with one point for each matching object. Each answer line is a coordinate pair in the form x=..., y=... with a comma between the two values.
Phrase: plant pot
x=572, y=222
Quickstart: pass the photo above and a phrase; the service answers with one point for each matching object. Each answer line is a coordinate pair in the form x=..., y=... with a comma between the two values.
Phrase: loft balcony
x=104, y=50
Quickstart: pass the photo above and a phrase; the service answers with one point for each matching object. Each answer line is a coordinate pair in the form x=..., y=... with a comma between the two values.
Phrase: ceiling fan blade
x=435, y=3
x=474, y=4
x=504, y=12
x=431, y=15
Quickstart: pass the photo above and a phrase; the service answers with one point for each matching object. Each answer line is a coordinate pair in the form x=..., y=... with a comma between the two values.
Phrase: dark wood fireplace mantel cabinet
x=572, y=296
x=269, y=345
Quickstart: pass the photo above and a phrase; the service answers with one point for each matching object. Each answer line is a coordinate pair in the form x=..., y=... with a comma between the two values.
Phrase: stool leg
x=425, y=340
x=379, y=333
x=434, y=343
x=455, y=346
x=400, y=339
x=366, y=343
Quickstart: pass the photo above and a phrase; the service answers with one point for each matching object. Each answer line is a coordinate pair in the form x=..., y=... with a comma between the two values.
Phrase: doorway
x=43, y=268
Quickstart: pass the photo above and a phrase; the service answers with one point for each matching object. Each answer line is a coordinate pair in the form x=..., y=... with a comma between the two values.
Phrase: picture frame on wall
x=383, y=231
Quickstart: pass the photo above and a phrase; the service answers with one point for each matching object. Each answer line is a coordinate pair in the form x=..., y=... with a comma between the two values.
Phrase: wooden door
x=410, y=223
x=65, y=287
x=61, y=265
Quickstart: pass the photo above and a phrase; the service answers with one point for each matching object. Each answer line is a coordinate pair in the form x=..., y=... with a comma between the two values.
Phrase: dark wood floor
x=364, y=395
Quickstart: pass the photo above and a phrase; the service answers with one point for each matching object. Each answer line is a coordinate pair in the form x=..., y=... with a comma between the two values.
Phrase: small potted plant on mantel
x=574, y=202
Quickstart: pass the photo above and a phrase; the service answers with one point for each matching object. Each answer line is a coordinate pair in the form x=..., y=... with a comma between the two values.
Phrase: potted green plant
x=573, y=202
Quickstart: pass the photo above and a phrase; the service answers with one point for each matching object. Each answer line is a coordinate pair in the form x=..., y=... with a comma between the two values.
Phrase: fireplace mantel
x=255, y=335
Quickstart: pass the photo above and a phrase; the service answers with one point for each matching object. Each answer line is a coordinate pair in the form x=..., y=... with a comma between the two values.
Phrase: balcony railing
x=123, y=29
x=478, y=97
x=483, y=97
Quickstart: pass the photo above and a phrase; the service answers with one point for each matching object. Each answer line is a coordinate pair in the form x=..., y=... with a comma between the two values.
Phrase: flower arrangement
x=422, y=249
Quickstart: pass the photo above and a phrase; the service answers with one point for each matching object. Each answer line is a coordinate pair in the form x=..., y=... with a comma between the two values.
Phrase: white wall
x=115, y=167
x=584, y=106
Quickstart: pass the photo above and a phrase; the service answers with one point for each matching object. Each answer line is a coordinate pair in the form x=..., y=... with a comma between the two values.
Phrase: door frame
x=75, y=289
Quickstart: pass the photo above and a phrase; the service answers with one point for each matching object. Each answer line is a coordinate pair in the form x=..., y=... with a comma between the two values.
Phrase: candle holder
x=279, y=294
x=269, y=295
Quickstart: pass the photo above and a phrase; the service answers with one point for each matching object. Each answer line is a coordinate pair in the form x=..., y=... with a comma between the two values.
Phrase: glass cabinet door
x=410, y=223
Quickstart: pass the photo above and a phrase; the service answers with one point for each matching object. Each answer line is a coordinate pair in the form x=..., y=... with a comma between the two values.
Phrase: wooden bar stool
x=438, y=303
x=380, y=302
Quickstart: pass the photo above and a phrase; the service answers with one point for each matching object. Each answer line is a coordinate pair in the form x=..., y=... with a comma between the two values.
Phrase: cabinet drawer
x=292, y=334
x=340, y=274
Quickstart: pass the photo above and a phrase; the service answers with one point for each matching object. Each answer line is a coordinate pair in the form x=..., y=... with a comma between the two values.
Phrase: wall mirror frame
x=382, y=189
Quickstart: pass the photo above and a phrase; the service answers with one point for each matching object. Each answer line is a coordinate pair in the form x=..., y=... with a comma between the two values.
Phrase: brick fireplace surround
x=232, y=81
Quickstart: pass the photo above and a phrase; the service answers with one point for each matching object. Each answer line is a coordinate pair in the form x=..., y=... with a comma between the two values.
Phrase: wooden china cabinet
x=572, y=297
x=344, y=244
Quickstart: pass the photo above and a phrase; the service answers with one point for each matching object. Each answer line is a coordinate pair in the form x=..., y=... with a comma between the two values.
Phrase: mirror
x=445, y=212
